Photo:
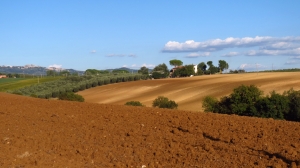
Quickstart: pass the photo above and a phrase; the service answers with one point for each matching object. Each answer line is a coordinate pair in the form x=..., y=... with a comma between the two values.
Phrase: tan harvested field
x=49, y=133
x=189, y=92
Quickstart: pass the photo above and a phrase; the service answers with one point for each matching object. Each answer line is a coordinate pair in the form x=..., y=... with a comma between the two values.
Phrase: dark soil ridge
x=51, y=133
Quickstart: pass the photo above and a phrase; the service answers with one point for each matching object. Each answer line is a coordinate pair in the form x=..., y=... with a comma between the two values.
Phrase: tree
x=51, y=73
x=144, y=70
x=223, y=65
x=160, y=71
x=176, y=62
x=294, y=104
x=164, y=102
x=243, y=100
x=185, y=71
x=212, y=69
x=64, y=73
x=202, y=66
x=134, y=103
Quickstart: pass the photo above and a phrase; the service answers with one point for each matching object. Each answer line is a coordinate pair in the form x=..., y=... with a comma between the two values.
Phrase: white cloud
x=262, y=52
x=251, y=67
x=132, y=55
x=121, y=55
x=93, y=51
x=148, y=65
x=264, y=42
x=125, y=66
x=295, y=57
x=55, y=66
x=292, y=62
x=195, y=55
x=231, y=54
x=115, y=55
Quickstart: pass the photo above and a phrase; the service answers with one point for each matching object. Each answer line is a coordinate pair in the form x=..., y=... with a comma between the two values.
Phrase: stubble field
x=189, y=92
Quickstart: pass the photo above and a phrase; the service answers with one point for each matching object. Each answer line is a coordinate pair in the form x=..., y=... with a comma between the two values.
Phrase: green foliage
x=70, y=96
x=8, y=84
x=273, y=106
x=223, y=65
x=243, y=98
x=202, y=66
x=120, y=71
x=176, y=62
x=210, y=104
x=144, y=70
x=248, y=101
x=294, y=103
x=164, y=102
x=160, y=71
x=134, y=103
x=95, y=72
x=184, y=71
x=75, y=84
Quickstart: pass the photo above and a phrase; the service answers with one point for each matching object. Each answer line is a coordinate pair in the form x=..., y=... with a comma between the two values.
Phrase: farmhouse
x=2, y=76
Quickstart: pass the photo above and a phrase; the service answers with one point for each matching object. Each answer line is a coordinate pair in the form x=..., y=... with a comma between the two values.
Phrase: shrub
x=134, y=103
x=294, y=104
x=71, y=97
x=210, y=104
x=164, y=102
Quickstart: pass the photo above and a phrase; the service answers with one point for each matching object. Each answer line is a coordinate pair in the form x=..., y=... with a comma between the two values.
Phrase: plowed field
x=189, y=92
x=50, y=133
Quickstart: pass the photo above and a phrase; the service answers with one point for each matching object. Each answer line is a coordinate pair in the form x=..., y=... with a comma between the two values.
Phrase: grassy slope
x=16, y=83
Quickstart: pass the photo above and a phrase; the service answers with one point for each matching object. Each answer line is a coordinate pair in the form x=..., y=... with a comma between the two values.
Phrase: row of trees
x=162, y=71
x=249, y=101
x=75, y=84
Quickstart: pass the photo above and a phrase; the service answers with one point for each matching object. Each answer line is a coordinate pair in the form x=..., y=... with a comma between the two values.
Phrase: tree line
x=162, y=71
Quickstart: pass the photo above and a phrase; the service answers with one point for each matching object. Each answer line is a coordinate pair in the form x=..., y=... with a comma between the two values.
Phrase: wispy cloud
x=132, y=55
x=231, y=54
x=195, y=55
x=251, y=67
x=266, y=45
x=292, y=62
x=93, y=51
x=148, y=65
x=116, y=55
x=121, y=55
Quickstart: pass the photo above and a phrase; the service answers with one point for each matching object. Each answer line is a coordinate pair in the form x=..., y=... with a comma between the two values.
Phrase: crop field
x=50, y=133
x=16, y=83
x=189, y=92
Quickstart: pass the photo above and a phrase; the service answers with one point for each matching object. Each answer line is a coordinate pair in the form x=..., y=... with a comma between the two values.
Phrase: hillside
x=189, y=92
x=49, y=133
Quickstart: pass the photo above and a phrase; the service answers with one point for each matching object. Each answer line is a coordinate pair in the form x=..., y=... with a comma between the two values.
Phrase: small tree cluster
x=70, y=96
x=164, y=102
x=248, y=101
x=134, y=103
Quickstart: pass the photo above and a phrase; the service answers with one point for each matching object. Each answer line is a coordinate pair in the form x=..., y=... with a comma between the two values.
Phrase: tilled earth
x=51, y=133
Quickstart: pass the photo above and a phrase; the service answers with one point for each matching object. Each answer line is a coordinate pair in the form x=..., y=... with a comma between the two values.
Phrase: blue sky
x=111, y=34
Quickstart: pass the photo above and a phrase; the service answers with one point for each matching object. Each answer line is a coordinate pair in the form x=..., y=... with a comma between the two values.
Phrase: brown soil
x=51, y=133
x=189, y=92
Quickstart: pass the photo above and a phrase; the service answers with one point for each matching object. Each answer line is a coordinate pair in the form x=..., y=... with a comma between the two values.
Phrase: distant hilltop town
x=32, y=69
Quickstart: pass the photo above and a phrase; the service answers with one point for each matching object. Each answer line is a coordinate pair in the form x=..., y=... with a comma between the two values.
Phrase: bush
x=210, y=104
x=134, y=103
x=164, y=102
x=70, y=96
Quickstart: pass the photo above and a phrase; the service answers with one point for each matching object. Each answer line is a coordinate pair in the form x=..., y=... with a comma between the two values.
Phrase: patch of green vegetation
x=17, y=83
